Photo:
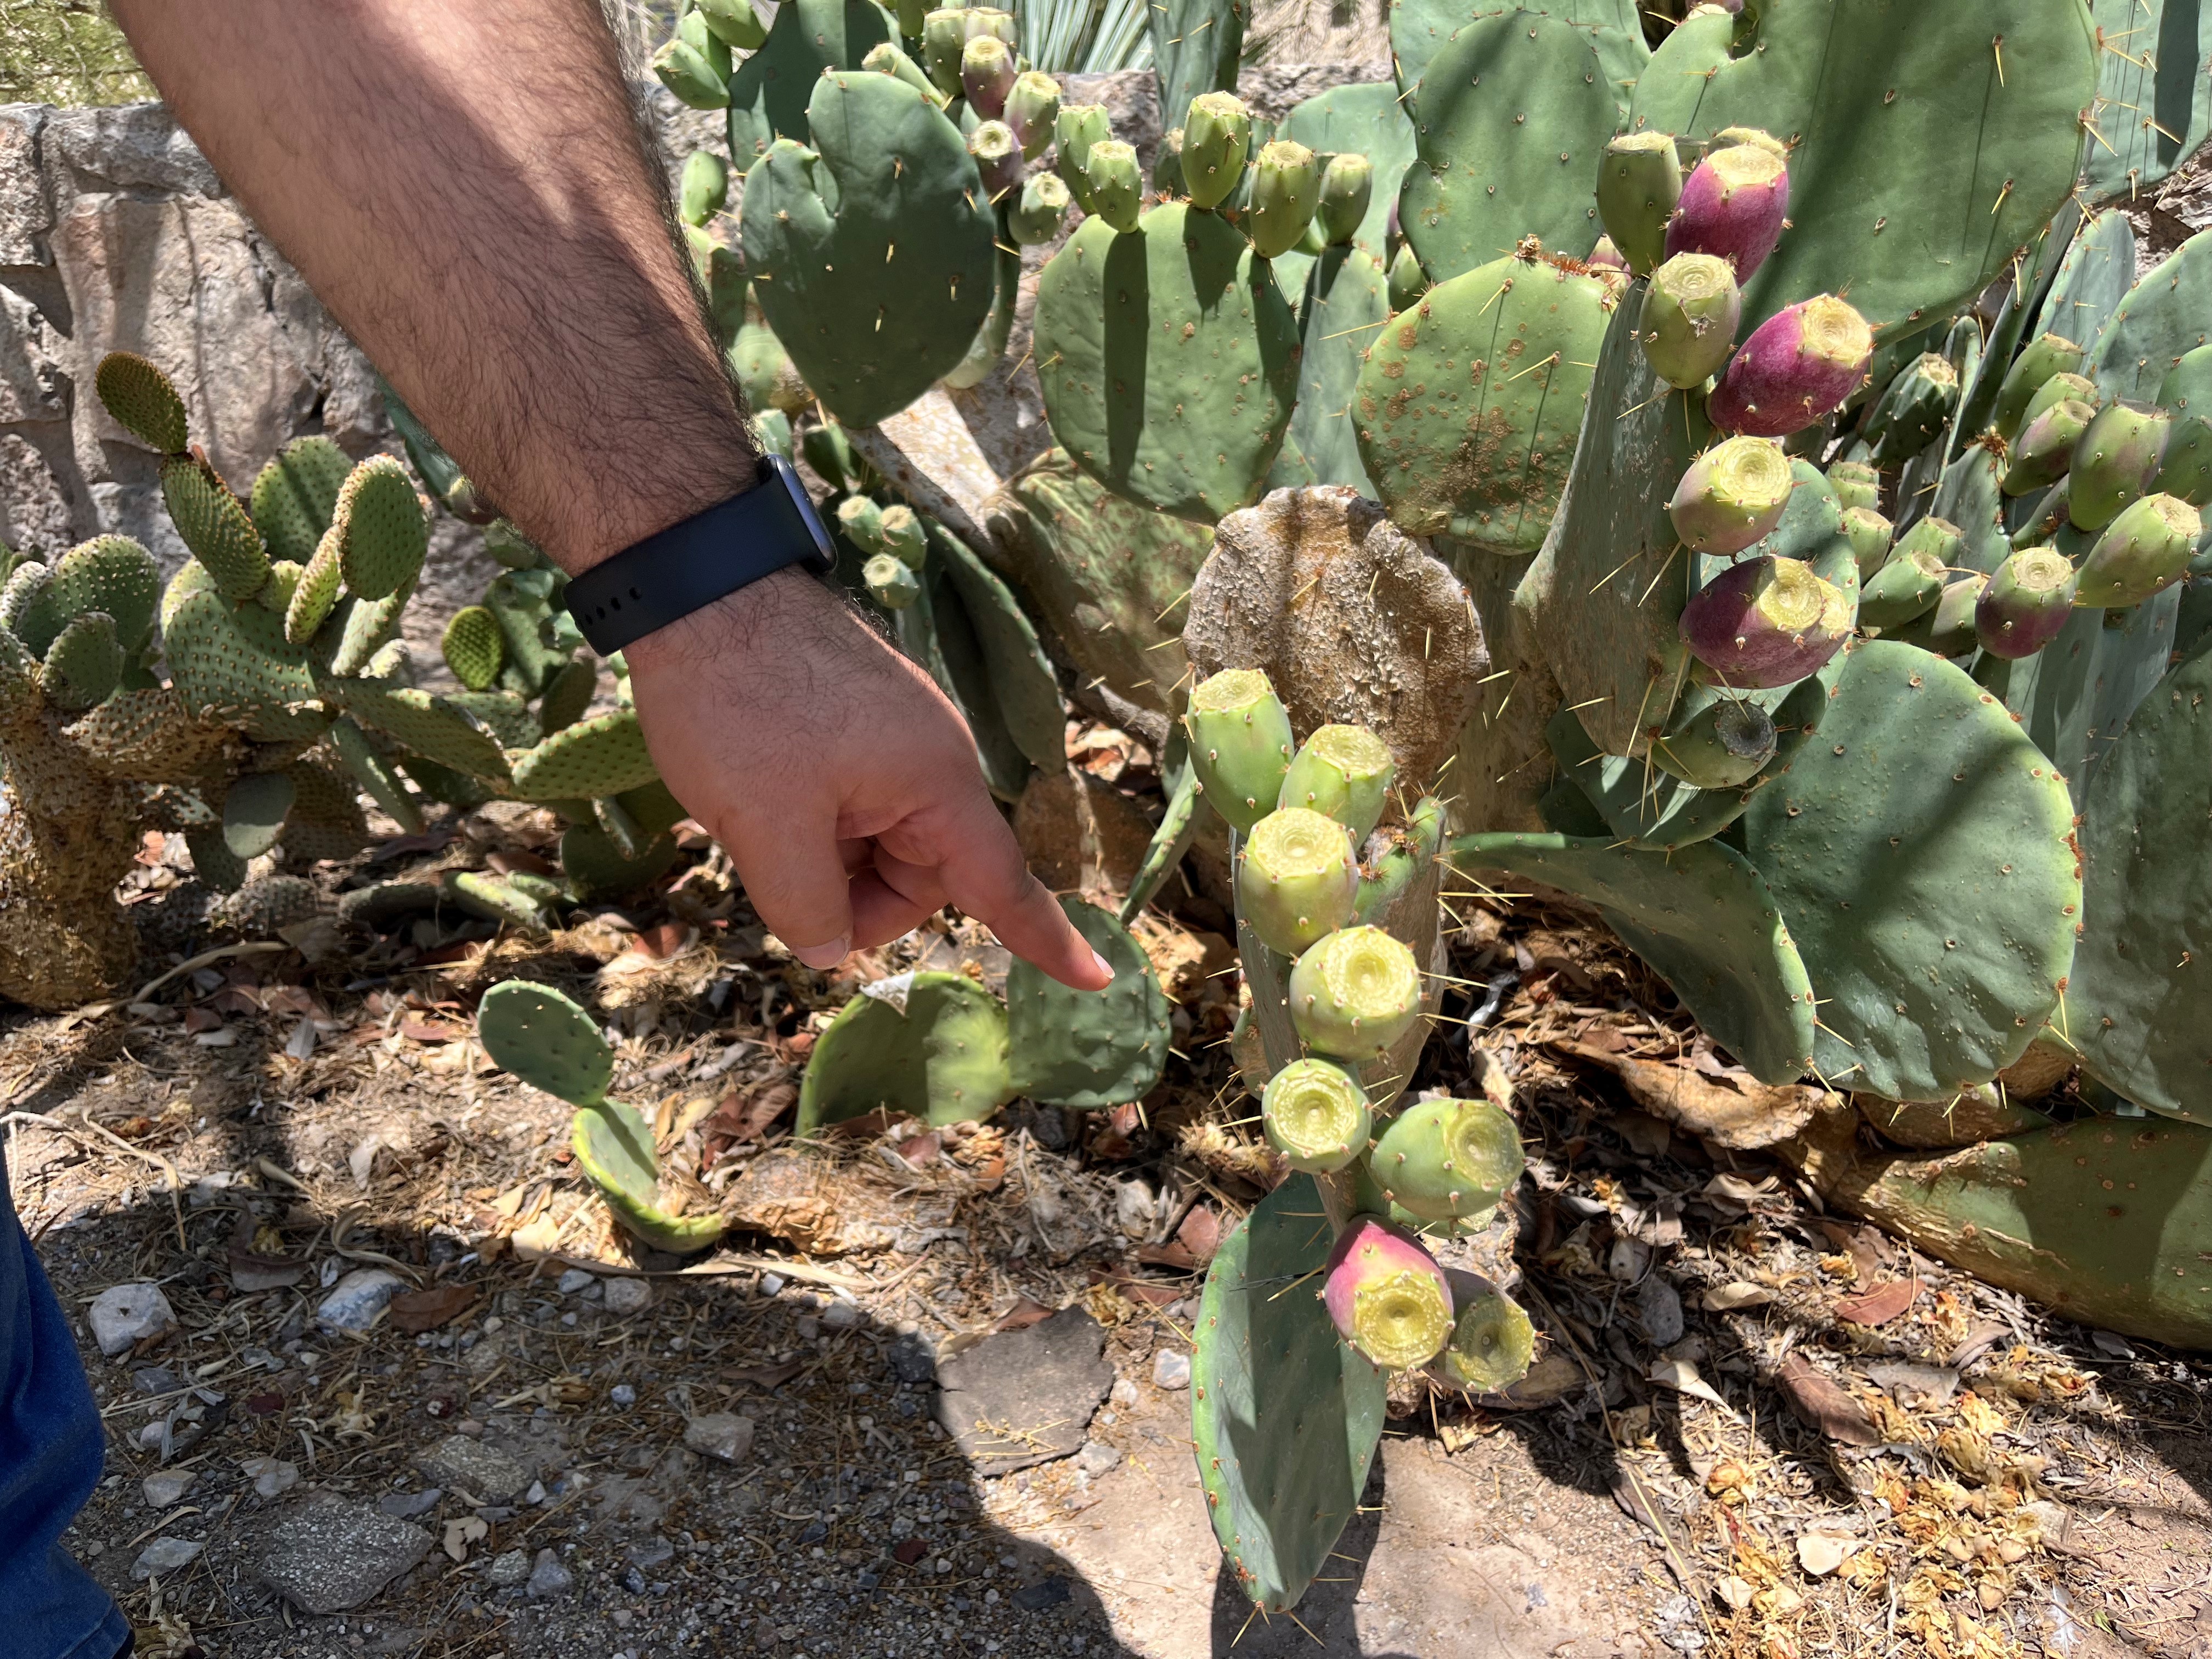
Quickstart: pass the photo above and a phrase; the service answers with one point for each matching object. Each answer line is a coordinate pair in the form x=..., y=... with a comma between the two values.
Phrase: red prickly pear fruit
x=1732, y=495
x=1386, y=1295
x=1797, y=368
x=998, y=156
x=2026, y=603
x=1765, y=622
x=1605, y=253
x=1733, y=205
x=987, y=76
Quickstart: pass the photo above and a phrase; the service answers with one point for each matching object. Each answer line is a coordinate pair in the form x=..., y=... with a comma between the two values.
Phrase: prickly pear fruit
x=1797, y=368
x=944, y=36
x=2114, y=460
x=1032, y=109
x=1948, y=629
x=140, y=398
x=998, y=153
x=1728, y=136
x=903, y=536
x=862, y=521
x=1240, y=744
x=2045, y=448
x=1903, y=589
x=1075, y=129
x=1408, y=282
x=1868, y=533
x=2026, y=603
x=706, y=187
x=1491, y=1344
x=1297, y=878
x=2038, y=361
x=1388, y=1298
x=1445, y=1160
x=1732, y=206
x=2185, y=395
x=987, y=76
x=1733, y=495
x=1766, y=622
x=695, y=65
x=1347, y=184
x=734, y=23
x=1690, y=318
x=1037, y=216
x=475, y=647
x=1856, y=484
x=1217, y=133
x=2145, y=550
x=1716, y=741
x=1354, y=992
x=1285, y=184
x=1317, y=1115
x=1117, y=189
x=885, y=59
x=1913, y=410
x=2058, y=389
x=1344, y=771
x=1605, y=255
x=1638, y=184
x=890, y=583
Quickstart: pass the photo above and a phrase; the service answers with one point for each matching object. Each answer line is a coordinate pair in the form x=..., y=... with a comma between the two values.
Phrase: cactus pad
x=613, y=1144
x=1345, y=307
x=83, y=664
x=382, y=535
x=425, y=722
x=475, y=648
x=145, y=736
x=545, y=1039
x=942, y=1056
x=1022, y=683
x=253, y=812
x=111, y=573
x=768, y=92
x=235, y=666
x=1367, y=120
x=214, y=524
x=377, y=776
x=143, y=401
x=296, y=494
x=1088, y=1048
x=2154, y=104
x=604, y=755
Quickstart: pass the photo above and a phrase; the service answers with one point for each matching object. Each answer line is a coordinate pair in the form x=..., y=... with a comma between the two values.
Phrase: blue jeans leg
x=51, y=1447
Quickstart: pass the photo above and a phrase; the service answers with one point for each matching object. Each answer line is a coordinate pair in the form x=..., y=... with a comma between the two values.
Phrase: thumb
x=794, y=875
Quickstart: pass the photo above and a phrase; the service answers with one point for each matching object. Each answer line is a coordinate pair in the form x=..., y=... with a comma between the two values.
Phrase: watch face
x=825, y=551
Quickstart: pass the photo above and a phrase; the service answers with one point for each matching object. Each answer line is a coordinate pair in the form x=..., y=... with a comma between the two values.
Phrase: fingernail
x=1104, y=966
x=824, y=956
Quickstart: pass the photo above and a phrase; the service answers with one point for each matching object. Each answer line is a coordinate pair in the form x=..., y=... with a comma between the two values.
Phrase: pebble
x=329, y=1555
x=123, y=1315
x=622, y=1394
x=1660, y=1307
x=629, y=1296
x=272, y=1476
x=912, y=1359
x=406, y=1505
x=548, y=1577
x=483, y=1471
x=652, y=1551
x=510, y=1569
x=168, y=1486
x=842, y=1315
x=719, y=1434
x=165, y=1555
x=574, y=1280
x=1171, y=1368
x=1096, y=1457
x=1124, y=1392
x=357, y=1300
x=154, y=1379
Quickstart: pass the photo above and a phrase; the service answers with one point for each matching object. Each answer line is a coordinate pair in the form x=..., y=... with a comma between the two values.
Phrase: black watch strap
x=689, y=566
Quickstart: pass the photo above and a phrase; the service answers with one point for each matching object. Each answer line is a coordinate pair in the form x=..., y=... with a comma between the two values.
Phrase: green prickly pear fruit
x=214, y=524
x=1765, y=622
x=903, y=536
x=1386, y=1295
x=1075, y=130
x=2045, y=448
x=885, y=59
x=1117, y=189
x=1317, y=1115
x=1798, y=366
x=546, y=1040
x=2114, y=460
x=771, y=430
x=1297, y=878
x=1041, y=209
x=1638, y=184
x=2186, y=394
x=2039, y=361
x=1347, y=184
x=862, y=521
x=475, y=647
x=1856, y=484
x=2145, y=550
x=1240, y=744
x=83, y=664
x=1491, y=1344
x=690, y=69
x=1354, y=993
x=1032, y=110
x=382, y=534
x=998, y=154
x=987, y=74
x=1868, y=533
x=1408, y=282
x=830, y=453
x=892, y=584
x=705, y=188
x=1732, y=495
x=143, y=401
x=734, y=23
x=1217, y=132
x=1733, y=204
x=944, y=37
x=1690, y=318
x=1445, y=1160
x=1716, y=741
x=2058, y=389
x=1948, y=628
x=1345, y=772
x=1905, y=588
x=1285, y=185
x=2026, y=603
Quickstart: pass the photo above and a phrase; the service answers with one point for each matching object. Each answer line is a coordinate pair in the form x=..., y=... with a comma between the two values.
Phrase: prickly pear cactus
x=1421, y=29
x=1088, y=1048
x=2154, y=101
x=1196, y=46
x=1364, y=120
x=928, y=1045
x=769, y=92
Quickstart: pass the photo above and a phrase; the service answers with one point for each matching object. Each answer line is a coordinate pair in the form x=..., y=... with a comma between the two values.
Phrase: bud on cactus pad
x=1606, y=256
x=1317, y=1115
x=1075, y=129
x=1297, y=878
x=1638, y=184
x=862, y=521
x=1344, y=771
x=1716, y=741
x=2145, y=550
x=734, y=23
x=1354, y=993
x=1733, y=205
x=1445, y=1160
x=2045, y=448
x=2114, y=460
x=2039, y=361
x=1117, y=189
x=1408, y=282
x=1286, y=182
x=1042, y=207
x=546, y=1040
x=1491, y=1344
x=890, y=583
x=903, y=536
x=944, y=36
x=1388, y=1297
x=1216, y=134
x=1032, y=107
x=885, y=59
x=1869, y=534
x=2026, y=603
x=1732, y=495
x=1347, y=184
x=1766, y=621
x=1797, y=368
x=706, y=187
x=1856, y=484
x=1690, y=318
x=987, y=76
x=998, y=156
x=1240, y=744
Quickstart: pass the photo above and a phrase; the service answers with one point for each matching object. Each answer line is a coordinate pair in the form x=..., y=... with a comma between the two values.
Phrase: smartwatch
x=707, y=556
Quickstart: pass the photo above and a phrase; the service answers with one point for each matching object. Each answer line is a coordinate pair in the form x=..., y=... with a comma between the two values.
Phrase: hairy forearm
x=461, y=183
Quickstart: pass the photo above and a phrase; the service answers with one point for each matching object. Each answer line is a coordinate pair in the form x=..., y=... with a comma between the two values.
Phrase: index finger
x=981, y=867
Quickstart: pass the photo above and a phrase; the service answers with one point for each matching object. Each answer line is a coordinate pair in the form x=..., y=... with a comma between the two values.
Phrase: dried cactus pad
x=1353, y=622
x=1088, y=1048
x=546, y=1040
x=382, y=533
x=143, y=401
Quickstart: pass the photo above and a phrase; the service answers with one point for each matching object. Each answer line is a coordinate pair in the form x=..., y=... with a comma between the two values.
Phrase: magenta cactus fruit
x=1386, y=1295
x=1733, y=493
x=2045, y=448
x=1797, y=368
x=1607, y=254
x=2026, y=603
x=2143, y=551
x=987, y=76
x=1032, y=109
x=1766, y=622
x=1690, y=318
x=1733, y=205
x=998, y=156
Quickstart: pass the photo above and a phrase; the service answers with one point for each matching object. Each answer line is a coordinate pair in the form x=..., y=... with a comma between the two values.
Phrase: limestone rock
x=123, y=1315
x=327, y=1555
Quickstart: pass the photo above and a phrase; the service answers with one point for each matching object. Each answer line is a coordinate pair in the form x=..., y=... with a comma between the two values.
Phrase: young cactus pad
x=1088, y=1048
x=1317, y=1115
x=1354, y=993
x=614, y=1146
x=1297, y=878
x=930, y=1045
x=1445, y=1160
x=1386, y=1295
x=546, y=1040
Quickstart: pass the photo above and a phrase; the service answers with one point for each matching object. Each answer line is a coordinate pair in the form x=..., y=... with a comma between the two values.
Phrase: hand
x=842, y=784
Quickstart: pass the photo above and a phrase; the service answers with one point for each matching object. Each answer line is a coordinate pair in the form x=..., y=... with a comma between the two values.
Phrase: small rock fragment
x=168, y=1486
x=629, y=1296
x=1096, y=1457
x=272, y=1476
x=1821, y=1554
x=509, y=1569
x=719, y=1434
x=574, y=1281
x=165, y=1555
x=1660, y=1308
x=406, y=1505
x=357, y=1300
x=484, y=1471
x=1171, y=1368
x=123, y=1315
x=548, y=1577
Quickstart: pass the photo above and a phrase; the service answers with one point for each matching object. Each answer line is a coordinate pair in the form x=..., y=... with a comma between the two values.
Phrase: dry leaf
x=1736, y=1294
x=1880, y=1305
x=1821, y=1554
x=463, y=1532
x=1681, y=1376
x=416, y=1311
x=768, y=1376
x=1023, y=1314
x=1741, y=1113
x=1735, y=1591
x=1826, y=1407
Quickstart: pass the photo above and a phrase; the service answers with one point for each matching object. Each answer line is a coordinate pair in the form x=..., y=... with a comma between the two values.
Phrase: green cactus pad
x=326, y=820
x=1705, y=920
x=614, y=1148
x=1641, y=805
x=296, y=494
x=1512, y=114
x=2154, y=103
x=253, y=812
x=213, y=861
x=490, y=898
x=1956, y=159
x=474, y=648
x=1169, y=359
x=942, y=1058
x=235, y=666
x=381, y=532
x=83, y=664
x=376, y=774
x=1284, y=1415
x=597, y=868
x=604, y=755
x=2075, y=695
x=1469, y=405
x=877, y=296
x=28, y=610
x=540, y=637
x=545, y=1039
x=1421, y=29
x=510, y=720
x=568, y=697
x=1088, y=1048
x=214, y=524
x=1344, y=309
x=768, y=92
x=1196, y=48
x=1920, y=851
x=316, y=592
x=111, y=573
x=358, y=630
x=425, y=722
x=1022, y=686
x=1367, y=120
x=143, y=401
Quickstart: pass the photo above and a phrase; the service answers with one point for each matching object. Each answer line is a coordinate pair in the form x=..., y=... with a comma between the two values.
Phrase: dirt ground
x=1751, y=1429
